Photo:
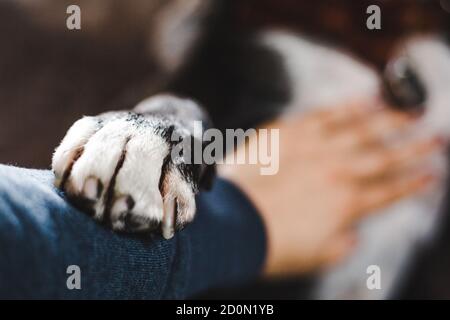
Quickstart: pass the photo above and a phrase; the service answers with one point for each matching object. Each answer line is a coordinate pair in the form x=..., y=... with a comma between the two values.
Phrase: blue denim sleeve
x=41, y=235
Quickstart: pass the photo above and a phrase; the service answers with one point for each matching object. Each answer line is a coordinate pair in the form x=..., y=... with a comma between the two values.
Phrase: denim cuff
x=232, y=248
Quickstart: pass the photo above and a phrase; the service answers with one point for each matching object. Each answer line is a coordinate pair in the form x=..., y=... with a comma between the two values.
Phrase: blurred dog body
x=325, y=76
x=244, y=79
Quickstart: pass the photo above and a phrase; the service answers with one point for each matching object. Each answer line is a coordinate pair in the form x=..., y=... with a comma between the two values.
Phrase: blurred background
x=50, y=76
x=128, y=50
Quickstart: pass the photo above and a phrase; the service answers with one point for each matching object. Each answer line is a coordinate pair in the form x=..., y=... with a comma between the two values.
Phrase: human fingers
x=381, y=161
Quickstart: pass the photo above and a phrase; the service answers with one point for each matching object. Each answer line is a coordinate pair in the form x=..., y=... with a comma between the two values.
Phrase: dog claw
x=168, y=222
x=92, y=189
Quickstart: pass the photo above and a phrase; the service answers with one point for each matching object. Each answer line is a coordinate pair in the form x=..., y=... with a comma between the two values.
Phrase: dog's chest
x=322, y=77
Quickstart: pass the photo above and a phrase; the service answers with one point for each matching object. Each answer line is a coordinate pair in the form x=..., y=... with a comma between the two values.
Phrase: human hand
x=335, y=168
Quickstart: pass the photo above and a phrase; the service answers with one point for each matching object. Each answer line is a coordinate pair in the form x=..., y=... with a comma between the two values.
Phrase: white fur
x=75, y=139
x=141, y=171
x=100, y=157
x=322, y=77
x=138, y=177
x=431, y=56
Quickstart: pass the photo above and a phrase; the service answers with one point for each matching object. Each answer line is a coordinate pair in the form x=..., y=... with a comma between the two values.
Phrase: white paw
x=118, y=168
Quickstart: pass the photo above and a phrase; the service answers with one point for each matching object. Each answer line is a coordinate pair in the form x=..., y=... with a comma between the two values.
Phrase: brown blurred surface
x=47, y=81
x=343, y=22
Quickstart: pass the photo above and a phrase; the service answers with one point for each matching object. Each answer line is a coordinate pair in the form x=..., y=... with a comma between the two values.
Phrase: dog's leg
x=119, y=166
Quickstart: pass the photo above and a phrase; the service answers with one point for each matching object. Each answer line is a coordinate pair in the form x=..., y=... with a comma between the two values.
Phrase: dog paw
x=118, y=167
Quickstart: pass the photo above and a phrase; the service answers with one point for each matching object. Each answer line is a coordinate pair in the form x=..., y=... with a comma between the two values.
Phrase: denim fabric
x=41, y=235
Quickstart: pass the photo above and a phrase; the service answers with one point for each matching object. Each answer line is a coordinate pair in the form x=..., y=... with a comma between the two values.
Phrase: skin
x=335, y=169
